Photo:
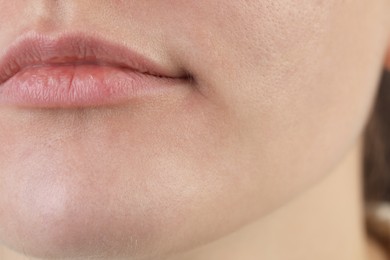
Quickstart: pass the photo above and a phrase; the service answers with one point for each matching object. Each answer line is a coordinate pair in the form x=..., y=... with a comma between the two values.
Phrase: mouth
x=75, y=70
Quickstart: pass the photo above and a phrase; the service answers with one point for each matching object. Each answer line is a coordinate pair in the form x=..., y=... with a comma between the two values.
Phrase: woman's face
x=280, y=92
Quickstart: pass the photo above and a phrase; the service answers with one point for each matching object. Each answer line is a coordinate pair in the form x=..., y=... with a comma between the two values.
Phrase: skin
x=266, y=133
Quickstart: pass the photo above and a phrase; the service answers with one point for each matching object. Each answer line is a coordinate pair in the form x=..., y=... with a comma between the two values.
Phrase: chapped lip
x=35, y=49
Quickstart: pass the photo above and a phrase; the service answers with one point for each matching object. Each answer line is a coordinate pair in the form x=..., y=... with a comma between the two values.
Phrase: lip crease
x=77, y=70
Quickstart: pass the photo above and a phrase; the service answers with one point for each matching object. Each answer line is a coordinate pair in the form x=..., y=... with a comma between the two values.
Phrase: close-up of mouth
x=75, y=70
x=194, y=130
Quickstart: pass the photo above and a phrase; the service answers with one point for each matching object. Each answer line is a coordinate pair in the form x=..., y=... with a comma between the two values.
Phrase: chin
x=57, y=209
x=75, y=215
x=56, y=226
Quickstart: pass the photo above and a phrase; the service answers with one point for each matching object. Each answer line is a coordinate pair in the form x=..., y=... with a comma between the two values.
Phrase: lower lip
x=80, y=86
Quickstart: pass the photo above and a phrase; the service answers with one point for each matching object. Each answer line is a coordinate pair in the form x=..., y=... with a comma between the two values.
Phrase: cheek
x=291, y=81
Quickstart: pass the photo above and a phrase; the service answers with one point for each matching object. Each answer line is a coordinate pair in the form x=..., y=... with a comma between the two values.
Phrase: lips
x=76, y=70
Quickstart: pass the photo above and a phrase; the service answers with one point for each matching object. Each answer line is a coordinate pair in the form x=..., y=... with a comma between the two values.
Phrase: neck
x=325, y=222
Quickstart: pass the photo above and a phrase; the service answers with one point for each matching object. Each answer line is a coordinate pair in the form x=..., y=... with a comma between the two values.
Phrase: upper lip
x=71, y=49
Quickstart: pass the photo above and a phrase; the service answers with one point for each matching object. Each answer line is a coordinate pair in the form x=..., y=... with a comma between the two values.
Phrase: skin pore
x=257, y=158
